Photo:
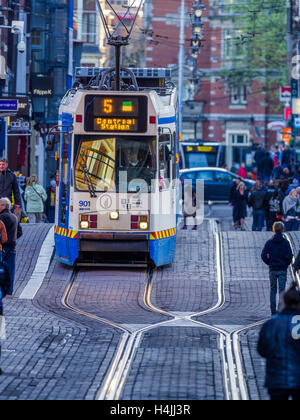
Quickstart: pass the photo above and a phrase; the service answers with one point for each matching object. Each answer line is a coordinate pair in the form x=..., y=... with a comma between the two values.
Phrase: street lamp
x=17, y=27
x=198, y=9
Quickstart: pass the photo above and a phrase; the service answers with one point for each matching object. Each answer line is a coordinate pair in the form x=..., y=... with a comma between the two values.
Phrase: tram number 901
x=84, y=203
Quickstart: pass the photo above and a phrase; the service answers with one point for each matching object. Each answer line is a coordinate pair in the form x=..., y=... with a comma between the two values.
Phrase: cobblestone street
x=54, y=353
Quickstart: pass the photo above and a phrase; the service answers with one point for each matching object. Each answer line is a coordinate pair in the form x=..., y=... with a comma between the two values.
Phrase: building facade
x=14, y=83
x=219, y=110
x=88, y=39
x=50, y=76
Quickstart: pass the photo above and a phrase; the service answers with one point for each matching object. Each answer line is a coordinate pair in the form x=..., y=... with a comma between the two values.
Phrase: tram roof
x=158, y=79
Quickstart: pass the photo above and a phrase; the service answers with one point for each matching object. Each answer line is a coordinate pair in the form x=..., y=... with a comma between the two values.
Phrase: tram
x=117, y=167
x=199, y=154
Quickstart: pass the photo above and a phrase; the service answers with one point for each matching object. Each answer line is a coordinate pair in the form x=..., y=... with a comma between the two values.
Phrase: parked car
x=217, y=182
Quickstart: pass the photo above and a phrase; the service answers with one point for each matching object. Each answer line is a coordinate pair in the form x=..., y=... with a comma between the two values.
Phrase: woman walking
x=291, y=211
x=35, y=195
x=239, y=202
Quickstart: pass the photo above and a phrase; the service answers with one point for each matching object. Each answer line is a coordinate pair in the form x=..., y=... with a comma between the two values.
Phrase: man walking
x=9, y=248
x=278, y=255
x=279, y=343
x=9, y=184
x=258, y=201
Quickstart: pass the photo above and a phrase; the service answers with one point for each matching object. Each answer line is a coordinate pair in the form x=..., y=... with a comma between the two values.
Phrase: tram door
x=64, y=186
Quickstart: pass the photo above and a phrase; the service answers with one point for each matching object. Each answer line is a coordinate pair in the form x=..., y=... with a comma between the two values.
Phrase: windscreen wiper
x=87, y=177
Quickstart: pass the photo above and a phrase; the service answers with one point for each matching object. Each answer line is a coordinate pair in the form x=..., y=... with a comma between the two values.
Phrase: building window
x=233, y=46
x=36, y=38
x=238, y=95
x=89, y=31
x=85, y=21
x=225, y=7
x=239, y=139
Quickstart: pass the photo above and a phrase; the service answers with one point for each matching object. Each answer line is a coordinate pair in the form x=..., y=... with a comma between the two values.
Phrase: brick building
x=220, y=111
x=14, y=83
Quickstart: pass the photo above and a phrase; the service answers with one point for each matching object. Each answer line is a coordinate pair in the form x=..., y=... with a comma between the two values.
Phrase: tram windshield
x=116, y=164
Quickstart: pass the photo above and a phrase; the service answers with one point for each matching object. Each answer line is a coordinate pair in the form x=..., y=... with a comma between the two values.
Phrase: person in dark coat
x=273, y=210
x=286, y=157
x=268, y=166
x=278, y=255
x=9, y=248
x=239, y=201
x=233, y=189
x=9, y=184
x=259, y=158
x=258, y=200
x=277, y=171
x=279, y=343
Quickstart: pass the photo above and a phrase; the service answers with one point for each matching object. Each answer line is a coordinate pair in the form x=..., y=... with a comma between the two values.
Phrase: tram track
x=115, y=379
x=235, y=384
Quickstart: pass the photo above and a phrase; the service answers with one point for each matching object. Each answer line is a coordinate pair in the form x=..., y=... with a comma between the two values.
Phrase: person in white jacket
x=35, y=196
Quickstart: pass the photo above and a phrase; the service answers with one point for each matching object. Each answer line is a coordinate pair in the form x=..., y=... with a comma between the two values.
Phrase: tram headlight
x=144, y=225
x=84, y=224
x=114, y=215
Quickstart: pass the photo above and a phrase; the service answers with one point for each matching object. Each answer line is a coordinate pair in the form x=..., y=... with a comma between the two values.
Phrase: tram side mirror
x=165, y=138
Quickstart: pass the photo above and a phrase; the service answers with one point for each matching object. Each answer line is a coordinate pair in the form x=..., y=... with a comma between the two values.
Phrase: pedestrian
x=233, y=189
x=239, y=202
x=258, y=201
x=285, y=173
x=278, y=255
x=9, y=186
x=9, y=248
x=268, y=166
x=242, y=171
x=286, y=157
x=35, y=196
x=50, y=203
x=274, y=206
x=4, y=284
x=293, y=186
x=279, y=343
x=259, y=158
x=253, y=175
x=277, y=171
x=291, y=211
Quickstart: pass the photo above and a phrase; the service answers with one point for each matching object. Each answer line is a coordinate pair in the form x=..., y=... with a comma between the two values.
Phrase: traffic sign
x=9, y=105
x=285, y=93
x=297, y=122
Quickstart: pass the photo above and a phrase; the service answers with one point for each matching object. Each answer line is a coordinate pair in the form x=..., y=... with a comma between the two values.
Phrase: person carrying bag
x=35, y=196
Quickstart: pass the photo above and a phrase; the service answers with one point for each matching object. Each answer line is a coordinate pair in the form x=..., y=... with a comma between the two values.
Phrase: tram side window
x=64, y=179
x=164, y=161
x=174, y=164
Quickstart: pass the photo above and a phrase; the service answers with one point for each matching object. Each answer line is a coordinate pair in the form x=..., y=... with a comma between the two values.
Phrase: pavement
x=52, y=353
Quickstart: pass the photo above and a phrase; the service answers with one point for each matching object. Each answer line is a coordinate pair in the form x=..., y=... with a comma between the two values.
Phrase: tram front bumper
x=107, y=249
x=113, y=242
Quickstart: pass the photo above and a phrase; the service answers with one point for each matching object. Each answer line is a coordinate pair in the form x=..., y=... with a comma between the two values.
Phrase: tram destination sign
x=112, y=113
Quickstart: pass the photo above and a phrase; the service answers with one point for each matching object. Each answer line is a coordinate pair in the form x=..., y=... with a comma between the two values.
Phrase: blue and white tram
x=118, y=166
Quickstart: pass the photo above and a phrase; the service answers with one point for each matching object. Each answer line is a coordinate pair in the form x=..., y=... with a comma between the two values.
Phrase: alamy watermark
x=2, y=328
x=181, y=198
x=296, y=328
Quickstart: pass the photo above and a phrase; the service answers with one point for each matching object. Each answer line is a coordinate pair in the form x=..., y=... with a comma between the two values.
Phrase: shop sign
x=42, y=86
x=8, y=105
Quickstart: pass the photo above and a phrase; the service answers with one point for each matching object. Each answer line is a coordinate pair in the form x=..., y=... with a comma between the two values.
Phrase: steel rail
x=129, y=343
x=234, y=378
